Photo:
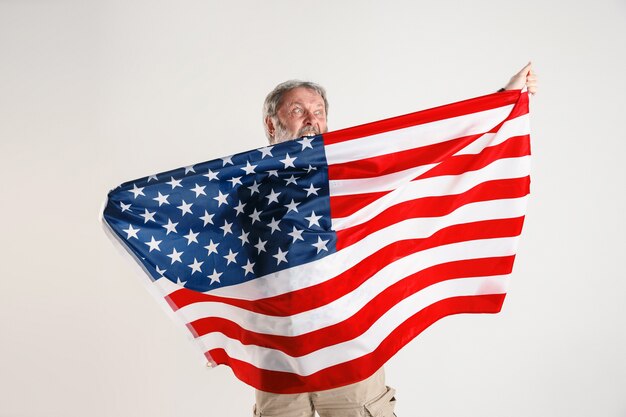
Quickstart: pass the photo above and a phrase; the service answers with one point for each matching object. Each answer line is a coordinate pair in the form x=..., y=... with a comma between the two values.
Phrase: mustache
x=308, y=130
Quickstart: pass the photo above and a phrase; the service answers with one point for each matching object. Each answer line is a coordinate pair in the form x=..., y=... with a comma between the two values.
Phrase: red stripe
x=398, y=161
x=433, y=207
x=514, y=147
x=343, y=206
x=447, y=111
x=356, y=325
x=358, y=369
x=315, y=296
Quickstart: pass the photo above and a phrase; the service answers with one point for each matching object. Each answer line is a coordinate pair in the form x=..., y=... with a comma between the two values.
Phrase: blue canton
x=229, y=220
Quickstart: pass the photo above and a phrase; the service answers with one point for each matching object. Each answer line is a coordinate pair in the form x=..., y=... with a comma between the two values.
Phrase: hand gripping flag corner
x=306, y=265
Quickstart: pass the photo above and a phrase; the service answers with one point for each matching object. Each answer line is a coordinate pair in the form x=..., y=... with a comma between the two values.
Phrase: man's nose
x=309, y=118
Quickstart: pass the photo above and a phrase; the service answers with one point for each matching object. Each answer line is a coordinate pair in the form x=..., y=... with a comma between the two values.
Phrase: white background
x=96, y=93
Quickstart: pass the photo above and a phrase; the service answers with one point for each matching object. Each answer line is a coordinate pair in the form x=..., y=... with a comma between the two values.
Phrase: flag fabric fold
x=306, y=265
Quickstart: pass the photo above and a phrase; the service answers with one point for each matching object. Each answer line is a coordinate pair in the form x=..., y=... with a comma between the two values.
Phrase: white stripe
x=397, y=179
x=367, y=342
x=408, y=138
x=511, y=128
x=437, y=186
x=319, y=271
x=375, y=183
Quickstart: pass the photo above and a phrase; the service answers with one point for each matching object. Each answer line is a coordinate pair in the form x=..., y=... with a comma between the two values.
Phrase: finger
x=526, y=70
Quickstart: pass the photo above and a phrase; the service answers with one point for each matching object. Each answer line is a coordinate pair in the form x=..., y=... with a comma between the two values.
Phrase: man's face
x=301, y=113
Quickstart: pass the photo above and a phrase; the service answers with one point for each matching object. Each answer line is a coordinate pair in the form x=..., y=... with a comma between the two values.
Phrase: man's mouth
x=308, y=131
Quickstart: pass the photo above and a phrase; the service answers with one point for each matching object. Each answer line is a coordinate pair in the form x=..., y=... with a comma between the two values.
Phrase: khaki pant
x=370, y=397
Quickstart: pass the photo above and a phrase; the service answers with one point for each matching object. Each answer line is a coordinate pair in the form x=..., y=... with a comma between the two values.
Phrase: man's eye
x=297, y=110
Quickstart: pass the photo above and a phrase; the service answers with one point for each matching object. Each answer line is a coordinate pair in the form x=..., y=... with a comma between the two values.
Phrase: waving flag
x=306, y=265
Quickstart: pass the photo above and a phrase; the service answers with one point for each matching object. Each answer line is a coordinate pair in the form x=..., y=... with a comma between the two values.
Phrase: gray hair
x=275, y=97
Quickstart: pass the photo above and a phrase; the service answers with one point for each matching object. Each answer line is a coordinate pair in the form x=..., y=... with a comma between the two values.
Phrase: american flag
x=306, y=265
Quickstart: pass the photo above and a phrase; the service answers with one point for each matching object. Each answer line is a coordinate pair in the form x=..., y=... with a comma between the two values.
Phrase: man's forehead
x=302, y=94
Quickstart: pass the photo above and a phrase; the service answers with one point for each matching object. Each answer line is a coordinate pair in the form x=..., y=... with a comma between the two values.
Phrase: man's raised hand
x=526, y=77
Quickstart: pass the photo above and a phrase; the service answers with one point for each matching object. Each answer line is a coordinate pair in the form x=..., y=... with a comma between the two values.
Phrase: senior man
x=292, y=110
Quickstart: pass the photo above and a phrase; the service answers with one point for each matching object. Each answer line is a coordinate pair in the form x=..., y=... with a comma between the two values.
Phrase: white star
x=175, y=256
x=296, y=234
x=185, y=208
x=255, y=216
x=273, y=196
x=162, y=199
x=314, y=220
x=221, y=198
x=321, y=244
x=273, y=172
x=243, y=237
x=267, y=151
x=293, y=206
x=148, y=215
x=215, y=276
x=160, y=271
x=311, y=190
x=281, y=256
x=199, y=190
x=274, y=225
x=288, y=161
x=239, y=208
x=227, y=228
x=151, y=177
x=153, y=244
x=211, y=175
x=291, y=180
x=170, y=227
x=306, y=143
x=261, y=245
x=212, y=247
x=235, y=180
x=249, y=169
x=311, y=168
x=195, y=266
x=125, y=207
x=174, y=183
x=137, y=191
x=191, y=237
x=131, y=232
x=188, y=169
x=227, y=160
x=179, y=282
x=207, y=218
x=254, y=188
x=248, y=268
x=230, y=257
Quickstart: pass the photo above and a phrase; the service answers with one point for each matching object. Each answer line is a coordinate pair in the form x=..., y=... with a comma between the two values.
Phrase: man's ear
x=269, y=124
